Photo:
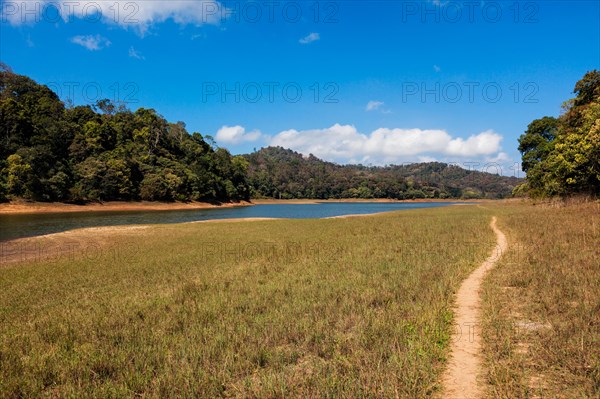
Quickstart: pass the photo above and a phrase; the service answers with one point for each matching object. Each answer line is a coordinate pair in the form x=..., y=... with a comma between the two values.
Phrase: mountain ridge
x=276, y=172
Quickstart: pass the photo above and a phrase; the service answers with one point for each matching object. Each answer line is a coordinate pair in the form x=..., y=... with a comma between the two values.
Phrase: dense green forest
x=561, y=156
x=275, y=172
x=49, y=152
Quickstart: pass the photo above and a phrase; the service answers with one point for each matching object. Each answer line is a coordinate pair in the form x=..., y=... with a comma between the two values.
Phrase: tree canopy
x=49, y=152
x=275, y=172
x=562, y=155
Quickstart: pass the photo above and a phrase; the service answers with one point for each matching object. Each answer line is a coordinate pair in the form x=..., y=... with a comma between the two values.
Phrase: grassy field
x=542, y=304
x=357, y=307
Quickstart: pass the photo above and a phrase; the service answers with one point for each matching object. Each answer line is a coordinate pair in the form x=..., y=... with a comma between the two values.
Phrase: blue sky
x=375, y=82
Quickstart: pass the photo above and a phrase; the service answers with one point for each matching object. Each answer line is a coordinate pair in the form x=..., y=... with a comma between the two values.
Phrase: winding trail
x=462, y=378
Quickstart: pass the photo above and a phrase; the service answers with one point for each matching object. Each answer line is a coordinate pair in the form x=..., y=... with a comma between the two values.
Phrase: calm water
x=17, y=226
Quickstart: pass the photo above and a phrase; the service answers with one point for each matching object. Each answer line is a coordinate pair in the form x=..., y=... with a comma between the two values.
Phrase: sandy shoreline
x=23, y=207
x=84, y=241
x=357, y=200
x=234, y=220
x=356, y=215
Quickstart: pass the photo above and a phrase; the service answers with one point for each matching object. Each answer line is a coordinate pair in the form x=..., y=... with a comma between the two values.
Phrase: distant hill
x=275, y=172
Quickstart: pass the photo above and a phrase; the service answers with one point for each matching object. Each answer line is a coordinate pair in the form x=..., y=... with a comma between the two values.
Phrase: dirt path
x=462, y=378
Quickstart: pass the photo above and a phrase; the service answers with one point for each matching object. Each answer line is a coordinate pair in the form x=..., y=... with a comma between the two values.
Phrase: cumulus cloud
x=92, y=43
x=485, y=143
x=133, y=53
x=313, y=37
x=373, y=105
x=236, y=135
x=139, y=15
x=345, y=144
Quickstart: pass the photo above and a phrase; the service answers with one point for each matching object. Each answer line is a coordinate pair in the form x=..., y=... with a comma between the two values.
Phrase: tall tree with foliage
x=562, y=156
x=535, y=145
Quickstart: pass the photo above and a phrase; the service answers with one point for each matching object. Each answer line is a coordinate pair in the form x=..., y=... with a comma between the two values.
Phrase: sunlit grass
x=542, y=304
x=357, y=307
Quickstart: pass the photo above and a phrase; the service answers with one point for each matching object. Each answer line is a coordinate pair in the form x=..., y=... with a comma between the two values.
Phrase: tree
x=535, y=145
x=154, y=188
x=588, y=89
x=5, y=67
x=562, y=156
x=18, y=172
x=574, y=164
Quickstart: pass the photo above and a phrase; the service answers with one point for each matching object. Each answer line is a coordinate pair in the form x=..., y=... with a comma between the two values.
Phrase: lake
x=29, y=225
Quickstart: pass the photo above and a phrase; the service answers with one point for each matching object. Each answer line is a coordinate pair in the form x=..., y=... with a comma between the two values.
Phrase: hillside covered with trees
x=275, y=172
x=104, y=152
x=561, y=156
x=49, y=152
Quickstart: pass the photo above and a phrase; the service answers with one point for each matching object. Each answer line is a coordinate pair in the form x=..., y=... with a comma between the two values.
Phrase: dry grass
x=542, y=303
x=357, y=307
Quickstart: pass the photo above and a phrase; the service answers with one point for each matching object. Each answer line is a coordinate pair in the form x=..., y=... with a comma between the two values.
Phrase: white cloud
x=501, y=157
x=437, y=68
x=236, y=135
x=313, y=37
x=133, y=53
x=485, y=143
x=345, y=144
x=92, y=43
x=426, y=158
x=373, y=105
x=139, y=15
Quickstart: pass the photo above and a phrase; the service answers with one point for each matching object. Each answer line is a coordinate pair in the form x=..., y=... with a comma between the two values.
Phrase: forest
x=105, y=152
x=275, y=172
x=50, y=152
x=561, y=156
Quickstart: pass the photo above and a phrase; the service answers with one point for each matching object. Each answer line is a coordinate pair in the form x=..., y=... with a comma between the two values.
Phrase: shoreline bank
x=358, y=200
x=22, y=207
